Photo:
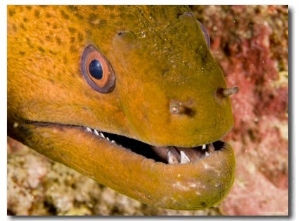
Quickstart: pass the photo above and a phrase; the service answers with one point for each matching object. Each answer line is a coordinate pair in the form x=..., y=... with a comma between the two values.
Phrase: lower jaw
x=194, y=185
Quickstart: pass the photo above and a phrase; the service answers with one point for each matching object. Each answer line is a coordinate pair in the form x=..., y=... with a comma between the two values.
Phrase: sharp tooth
x=102, y=135
x=96, y=132
x=206, y=154
x=107, y=139
x=184, y=158
x=211, y=148
x=203, y=146
x=88, y=129
x=172, y=158
x=113, y=141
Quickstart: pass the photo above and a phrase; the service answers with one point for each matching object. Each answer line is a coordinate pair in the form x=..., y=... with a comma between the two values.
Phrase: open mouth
x=163, y=154
x=167, y=154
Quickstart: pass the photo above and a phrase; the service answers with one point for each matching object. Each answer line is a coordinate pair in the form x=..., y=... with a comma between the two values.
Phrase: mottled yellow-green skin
x=161, y=58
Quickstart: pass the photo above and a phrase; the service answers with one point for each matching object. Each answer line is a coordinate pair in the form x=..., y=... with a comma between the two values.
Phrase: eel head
x=129, y=96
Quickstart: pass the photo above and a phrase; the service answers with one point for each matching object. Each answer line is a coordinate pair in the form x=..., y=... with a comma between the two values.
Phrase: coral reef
x=251, y=45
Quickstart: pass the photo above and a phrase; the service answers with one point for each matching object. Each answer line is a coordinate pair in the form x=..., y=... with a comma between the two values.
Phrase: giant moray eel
x=129, y=96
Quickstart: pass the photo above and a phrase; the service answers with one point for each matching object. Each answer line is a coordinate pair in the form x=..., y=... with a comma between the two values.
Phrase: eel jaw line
x=168, y=155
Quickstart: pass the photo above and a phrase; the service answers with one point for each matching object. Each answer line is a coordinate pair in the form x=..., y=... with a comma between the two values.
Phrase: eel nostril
x=177, y=107
x=226, y=92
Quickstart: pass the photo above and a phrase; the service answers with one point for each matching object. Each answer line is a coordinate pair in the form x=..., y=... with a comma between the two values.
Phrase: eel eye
x=96, y=70
x=205, y=33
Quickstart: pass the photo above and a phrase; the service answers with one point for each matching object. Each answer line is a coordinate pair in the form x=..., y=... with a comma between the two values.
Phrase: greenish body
x=160, y=59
